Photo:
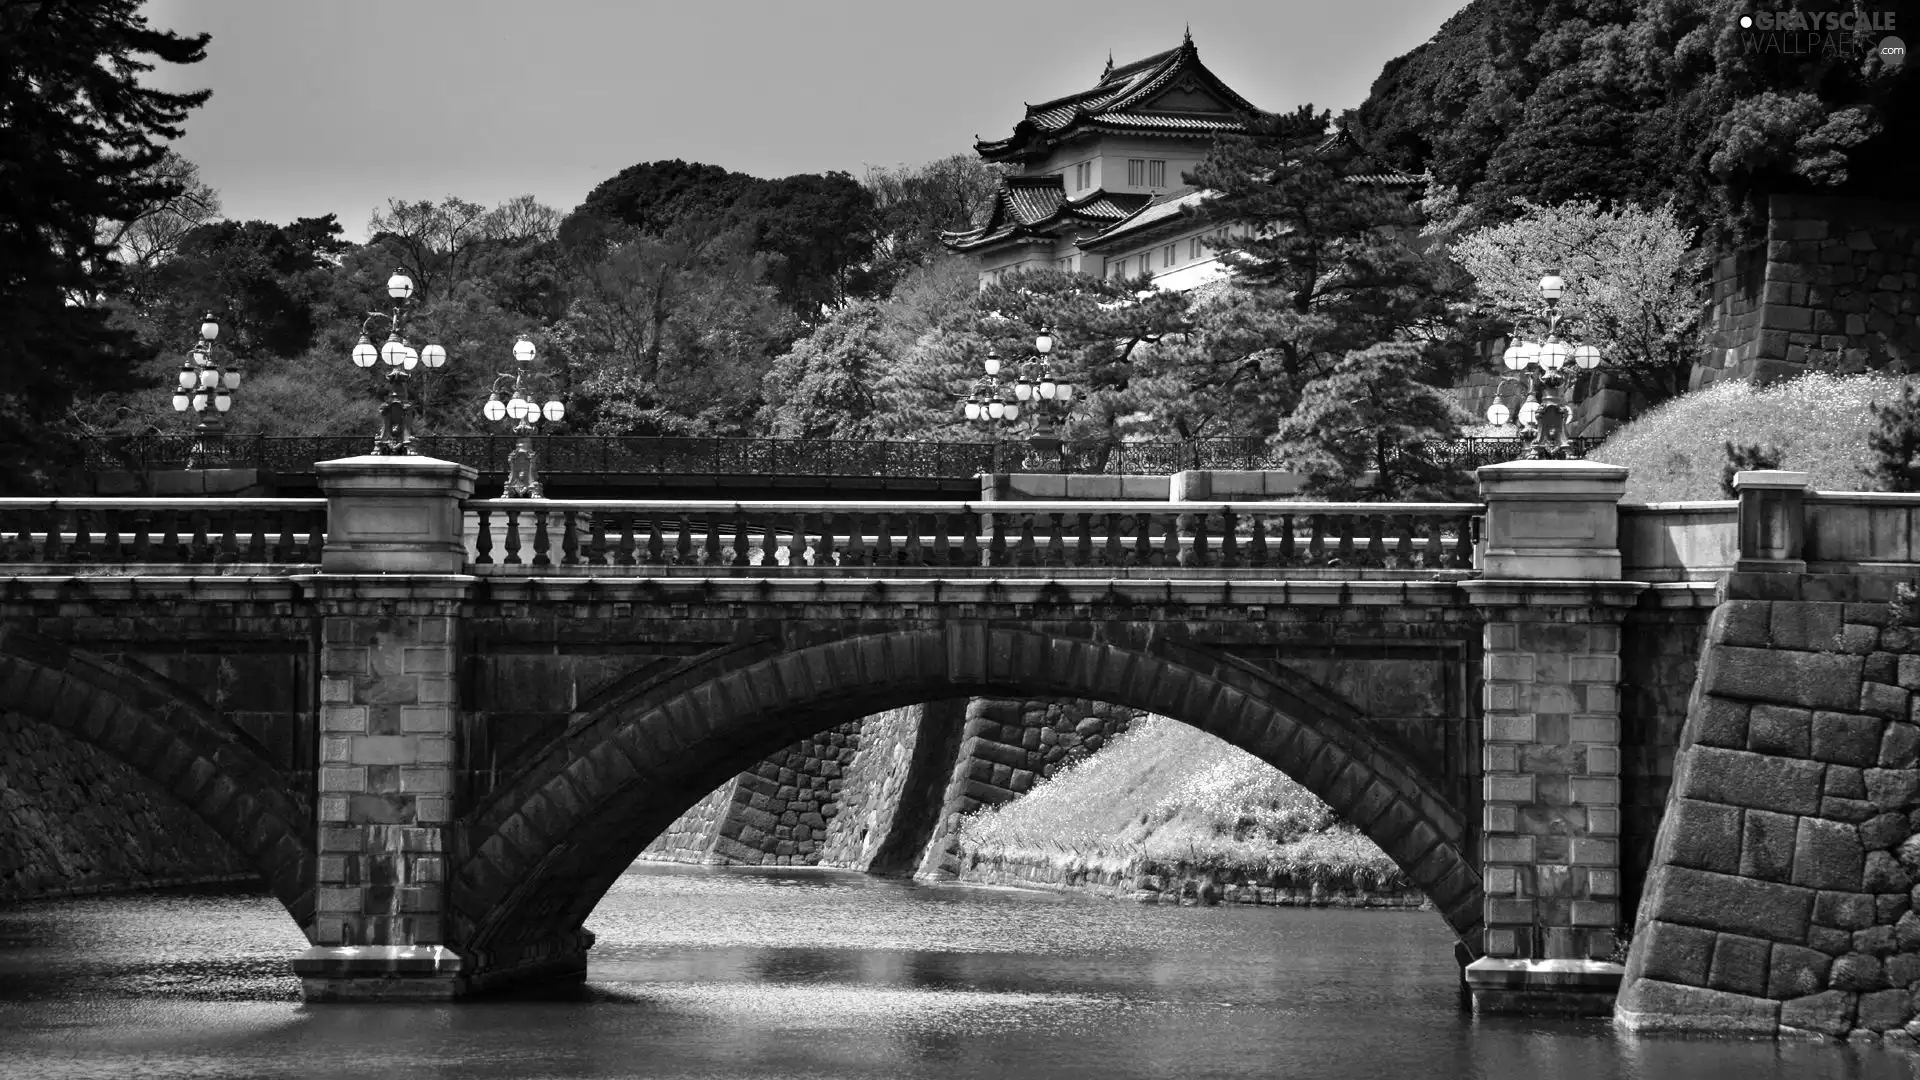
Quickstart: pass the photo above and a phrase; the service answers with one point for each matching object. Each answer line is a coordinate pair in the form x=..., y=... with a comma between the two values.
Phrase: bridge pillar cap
x=397, y=472
x=1579, y=479
x=1749, y=479
x=394, y=514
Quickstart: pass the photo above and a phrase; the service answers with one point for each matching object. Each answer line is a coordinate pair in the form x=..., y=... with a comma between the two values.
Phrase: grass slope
x=1677, y=451
x=1169, y=795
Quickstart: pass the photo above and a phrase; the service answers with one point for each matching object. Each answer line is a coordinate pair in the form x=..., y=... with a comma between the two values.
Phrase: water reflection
x=747, y=973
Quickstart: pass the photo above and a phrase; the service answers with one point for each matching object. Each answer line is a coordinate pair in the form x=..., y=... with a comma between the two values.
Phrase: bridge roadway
x=444, y=741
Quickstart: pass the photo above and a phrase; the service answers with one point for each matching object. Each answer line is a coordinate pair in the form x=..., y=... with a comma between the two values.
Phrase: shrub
x=1895, y=441
x=1744, y=458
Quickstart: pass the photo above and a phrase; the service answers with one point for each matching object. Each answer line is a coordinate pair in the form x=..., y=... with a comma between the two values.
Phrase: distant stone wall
x=74, y=820
x=692, y=835
x=774, y=814
x=1781, y=890
x=872, y=789
x=885, y=793
x=1835, y=288
x=1005, y=748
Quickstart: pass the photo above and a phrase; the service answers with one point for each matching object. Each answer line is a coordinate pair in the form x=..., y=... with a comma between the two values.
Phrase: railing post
x=1773, y=521
x=395, y=515
x=1553, y=604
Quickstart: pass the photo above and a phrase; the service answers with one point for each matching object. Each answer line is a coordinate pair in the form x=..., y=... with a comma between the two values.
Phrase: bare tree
x=154, y=232
x=521, y=220
x=436, y=240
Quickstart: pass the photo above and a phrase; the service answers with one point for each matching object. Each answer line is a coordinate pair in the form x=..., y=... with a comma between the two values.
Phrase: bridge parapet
x=155, y=532
x=731, y=538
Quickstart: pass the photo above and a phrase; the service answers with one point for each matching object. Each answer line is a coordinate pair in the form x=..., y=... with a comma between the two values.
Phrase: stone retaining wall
x=1005, y=747
x=1835, y=288
x=74, y=820
x=691, y=836
x=1781, y=893
x=872, y=788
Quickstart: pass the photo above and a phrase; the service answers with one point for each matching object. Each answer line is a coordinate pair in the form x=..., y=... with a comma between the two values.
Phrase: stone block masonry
x=1552, y=793
x=74, y=820
x=387, y=778
x=1833, y=289
x=1781, y=893
x=777, y=813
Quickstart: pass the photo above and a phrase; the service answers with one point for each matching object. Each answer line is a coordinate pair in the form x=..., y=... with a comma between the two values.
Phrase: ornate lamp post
x=1037, y=393
x=396, y=434
x=523, y=466
x=206, y=388
x=1542, y=368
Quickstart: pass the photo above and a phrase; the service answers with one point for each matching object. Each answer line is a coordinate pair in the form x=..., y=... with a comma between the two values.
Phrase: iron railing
x=517, y=535
x=116, y=531
x=616, y=455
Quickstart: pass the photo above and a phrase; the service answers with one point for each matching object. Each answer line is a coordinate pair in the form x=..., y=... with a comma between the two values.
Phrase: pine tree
x=79, y=139
x=1372, y=415
x=1895, y=442
x=1334, y=259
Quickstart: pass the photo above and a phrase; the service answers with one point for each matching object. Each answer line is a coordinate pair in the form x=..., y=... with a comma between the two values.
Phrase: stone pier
x=1550, y=686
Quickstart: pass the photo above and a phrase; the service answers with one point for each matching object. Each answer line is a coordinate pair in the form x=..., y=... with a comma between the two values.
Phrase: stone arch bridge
x=441, y=727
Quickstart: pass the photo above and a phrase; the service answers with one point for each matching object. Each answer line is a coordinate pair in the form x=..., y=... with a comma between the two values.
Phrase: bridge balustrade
x=121, y=531
x=520, y=535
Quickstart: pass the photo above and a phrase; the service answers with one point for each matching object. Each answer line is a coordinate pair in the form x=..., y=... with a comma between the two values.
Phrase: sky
x=336, y=106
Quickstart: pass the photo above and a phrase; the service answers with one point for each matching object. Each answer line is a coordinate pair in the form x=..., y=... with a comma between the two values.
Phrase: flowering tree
x=1632, y=279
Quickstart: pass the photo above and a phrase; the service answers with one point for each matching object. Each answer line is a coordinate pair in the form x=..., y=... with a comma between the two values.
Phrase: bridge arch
x=540, y=852
x=202, y=760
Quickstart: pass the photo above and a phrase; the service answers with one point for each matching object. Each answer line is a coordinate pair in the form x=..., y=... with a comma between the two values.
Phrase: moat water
x=742, y=973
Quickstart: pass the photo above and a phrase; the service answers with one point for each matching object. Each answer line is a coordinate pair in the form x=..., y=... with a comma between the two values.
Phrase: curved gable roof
x=1169, y=93
x=1037, y=207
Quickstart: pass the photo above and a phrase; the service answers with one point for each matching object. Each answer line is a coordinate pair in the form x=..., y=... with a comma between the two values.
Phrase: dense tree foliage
x=79, y=146
x=913, y=206
x=1642, y=102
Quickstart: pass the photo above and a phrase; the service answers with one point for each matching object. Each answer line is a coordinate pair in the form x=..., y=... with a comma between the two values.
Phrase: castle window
x=1168, y=255
x=1193, y=247
x=1136, y=172
x=1156, y=174
x=1082, y=175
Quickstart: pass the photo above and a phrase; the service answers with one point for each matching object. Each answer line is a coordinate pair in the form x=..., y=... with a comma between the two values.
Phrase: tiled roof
x=1161, y=120
x=1167, y=210
x=1163, y=209
x=1036, y=206
x=1032, y=199
x=1123, y=98
x=1111, y=205
x=1388, y=179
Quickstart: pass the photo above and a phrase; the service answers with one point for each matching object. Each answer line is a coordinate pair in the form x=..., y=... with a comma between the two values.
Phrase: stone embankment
x=1782, y=895
x=74, y=821
x=1153, y=883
